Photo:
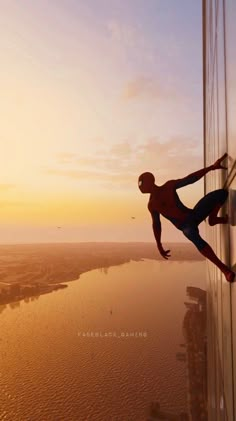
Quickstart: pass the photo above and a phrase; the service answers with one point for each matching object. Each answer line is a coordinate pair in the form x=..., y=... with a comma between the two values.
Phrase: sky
x=93, y=94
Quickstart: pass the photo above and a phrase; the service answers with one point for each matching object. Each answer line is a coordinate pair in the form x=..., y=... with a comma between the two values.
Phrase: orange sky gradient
x=91, y=97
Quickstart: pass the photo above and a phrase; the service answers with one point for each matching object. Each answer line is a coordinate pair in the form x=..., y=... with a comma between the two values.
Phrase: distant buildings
x=17, y=291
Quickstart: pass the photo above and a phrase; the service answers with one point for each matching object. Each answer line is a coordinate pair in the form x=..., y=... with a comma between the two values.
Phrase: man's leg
x=210, y=205
x=209, y=254
x=192, y=233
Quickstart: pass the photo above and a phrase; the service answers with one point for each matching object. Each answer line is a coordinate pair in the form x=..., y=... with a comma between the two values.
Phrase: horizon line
x=92, y=242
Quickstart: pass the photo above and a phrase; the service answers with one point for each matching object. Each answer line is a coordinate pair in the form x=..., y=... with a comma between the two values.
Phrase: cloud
x=130, y=41
x=142, y=87
x=84, y=175
x=77, y=174
x=66, y=157
x=122, y=149
x=6, y=187
x=146, y=87
x=103, y=157
x=122, y=33
x=174, y=157
x=124, y=162
x=10, y=204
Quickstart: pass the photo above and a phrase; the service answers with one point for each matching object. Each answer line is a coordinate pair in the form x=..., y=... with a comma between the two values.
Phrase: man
x=164, y=200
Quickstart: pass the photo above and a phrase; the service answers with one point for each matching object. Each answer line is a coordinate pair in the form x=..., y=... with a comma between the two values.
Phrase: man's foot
x=219, y=220
x=230, y=276
x=225, y=219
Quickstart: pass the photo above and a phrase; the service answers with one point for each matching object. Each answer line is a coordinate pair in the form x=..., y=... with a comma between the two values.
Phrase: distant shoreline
x=184, y=243
x=29, y=270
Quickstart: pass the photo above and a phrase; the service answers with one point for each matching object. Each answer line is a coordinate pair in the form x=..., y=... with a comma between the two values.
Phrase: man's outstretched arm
x=197, y=175
x=156, y=226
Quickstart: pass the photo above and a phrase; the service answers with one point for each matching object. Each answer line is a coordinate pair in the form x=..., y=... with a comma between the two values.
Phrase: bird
x=58, y=227
x=132, y=217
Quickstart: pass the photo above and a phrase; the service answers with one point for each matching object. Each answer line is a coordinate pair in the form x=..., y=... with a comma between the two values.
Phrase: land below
x=29, y=270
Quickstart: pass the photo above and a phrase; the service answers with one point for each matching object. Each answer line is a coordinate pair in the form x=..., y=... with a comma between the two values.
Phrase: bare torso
x=166, y=201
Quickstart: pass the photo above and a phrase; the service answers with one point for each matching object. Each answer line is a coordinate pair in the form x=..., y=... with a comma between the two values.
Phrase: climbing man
x=164, y=200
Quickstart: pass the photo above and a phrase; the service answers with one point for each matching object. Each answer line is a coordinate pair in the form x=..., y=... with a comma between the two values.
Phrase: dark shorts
x=200, y=212
x=191, y=231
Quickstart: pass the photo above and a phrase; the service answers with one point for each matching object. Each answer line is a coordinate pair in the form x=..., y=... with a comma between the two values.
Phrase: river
x=102, y=349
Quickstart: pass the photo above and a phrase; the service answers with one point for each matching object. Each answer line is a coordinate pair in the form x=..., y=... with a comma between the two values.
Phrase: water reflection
x=14, y=304
x=194, y=357
x=104, y=270
x=195, y=333
x=125, y=378
x=156, y=413
x=2, y=307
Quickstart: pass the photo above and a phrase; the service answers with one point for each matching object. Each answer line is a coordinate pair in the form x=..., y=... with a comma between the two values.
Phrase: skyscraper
x=219, y=93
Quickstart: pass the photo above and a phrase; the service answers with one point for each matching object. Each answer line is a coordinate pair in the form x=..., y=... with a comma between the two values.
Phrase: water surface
x=50, y=370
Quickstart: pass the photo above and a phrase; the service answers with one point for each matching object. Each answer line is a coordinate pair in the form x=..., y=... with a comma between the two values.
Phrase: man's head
x=146, y=182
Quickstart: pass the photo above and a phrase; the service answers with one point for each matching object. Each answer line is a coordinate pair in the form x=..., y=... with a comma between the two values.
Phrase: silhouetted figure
x=164, y=200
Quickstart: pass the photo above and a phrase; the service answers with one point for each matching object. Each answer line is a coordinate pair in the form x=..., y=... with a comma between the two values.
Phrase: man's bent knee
x=223, y=194
x=193, y=235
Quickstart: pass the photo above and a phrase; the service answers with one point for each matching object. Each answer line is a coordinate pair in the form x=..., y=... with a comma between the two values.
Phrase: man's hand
x=217, y=165
x=164, y=253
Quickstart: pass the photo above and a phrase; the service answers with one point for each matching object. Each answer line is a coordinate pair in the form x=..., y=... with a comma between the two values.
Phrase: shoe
x=230, y=276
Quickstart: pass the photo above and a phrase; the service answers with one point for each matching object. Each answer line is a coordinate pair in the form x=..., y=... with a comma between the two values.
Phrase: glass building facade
x=219, y=92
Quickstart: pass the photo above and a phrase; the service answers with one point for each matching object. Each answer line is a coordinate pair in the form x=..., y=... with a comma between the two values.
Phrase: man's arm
x=192, y=178
x=156, y=226
x=195, y=176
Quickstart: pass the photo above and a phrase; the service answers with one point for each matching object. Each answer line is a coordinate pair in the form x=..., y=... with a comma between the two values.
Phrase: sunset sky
x=93, y=93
